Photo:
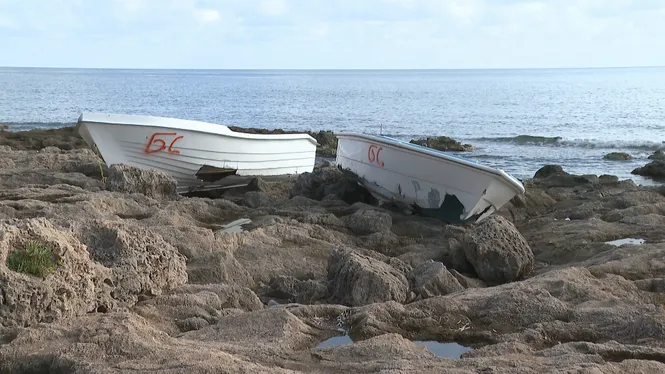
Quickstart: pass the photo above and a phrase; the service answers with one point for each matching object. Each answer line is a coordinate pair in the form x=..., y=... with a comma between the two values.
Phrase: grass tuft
x=34, y=258
x=100, y=159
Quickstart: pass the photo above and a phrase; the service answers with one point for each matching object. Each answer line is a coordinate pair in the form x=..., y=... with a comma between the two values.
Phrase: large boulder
x=554, y=176
x=142, y=262
x=654, y=169
x=48, y=273
x=57, y=282
x=356, y=280
x=497, y=251
x=152, y=183
x=549, y=170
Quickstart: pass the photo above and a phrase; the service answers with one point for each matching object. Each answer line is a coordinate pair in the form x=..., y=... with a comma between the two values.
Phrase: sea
x=518, y=120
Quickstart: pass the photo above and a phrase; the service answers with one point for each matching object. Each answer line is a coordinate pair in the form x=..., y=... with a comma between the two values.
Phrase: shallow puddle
x=446, y=350
x=335, y=341
x=235, y=226
x=626, y=241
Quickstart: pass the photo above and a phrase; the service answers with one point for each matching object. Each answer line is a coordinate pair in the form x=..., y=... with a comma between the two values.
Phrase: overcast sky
x=332, y=33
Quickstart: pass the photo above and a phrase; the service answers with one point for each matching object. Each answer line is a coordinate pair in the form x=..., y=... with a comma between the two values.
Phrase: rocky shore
x=140, y=279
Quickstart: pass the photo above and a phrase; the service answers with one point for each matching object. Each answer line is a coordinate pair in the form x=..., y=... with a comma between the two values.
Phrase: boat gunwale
x=433, y=153
x=181, y=124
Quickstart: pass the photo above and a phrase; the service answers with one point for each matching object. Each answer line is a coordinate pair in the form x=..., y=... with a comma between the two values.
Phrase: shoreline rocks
x=655, y=169
x=443, y=143
x=657, y=155
x=150, y=281
x=617, y=156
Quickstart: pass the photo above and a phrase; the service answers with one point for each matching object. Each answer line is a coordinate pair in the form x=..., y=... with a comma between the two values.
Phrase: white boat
x=198, y=155
x=423, y=180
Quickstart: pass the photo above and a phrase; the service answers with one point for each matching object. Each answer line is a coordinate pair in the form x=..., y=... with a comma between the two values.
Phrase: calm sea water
x=519, y=120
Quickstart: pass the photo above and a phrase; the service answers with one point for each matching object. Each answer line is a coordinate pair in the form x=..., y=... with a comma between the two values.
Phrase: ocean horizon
x=518, y=119
x=343, y=69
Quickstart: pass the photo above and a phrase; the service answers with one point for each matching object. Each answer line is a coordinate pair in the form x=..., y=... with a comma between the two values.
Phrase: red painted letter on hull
x=373, y=155
x=160, y=139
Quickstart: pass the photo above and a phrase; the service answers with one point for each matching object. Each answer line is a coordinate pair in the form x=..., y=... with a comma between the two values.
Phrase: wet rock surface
x=617, y=156
x=654, y=169
x=657, y=155
x=148, y=281
x=443, y=143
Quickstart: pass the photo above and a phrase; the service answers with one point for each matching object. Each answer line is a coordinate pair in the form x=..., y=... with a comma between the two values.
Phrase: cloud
x=131, y=6
x=207, y=15
x=6, y=22
x=272, y=7
x=332, y=34
x=465, y=11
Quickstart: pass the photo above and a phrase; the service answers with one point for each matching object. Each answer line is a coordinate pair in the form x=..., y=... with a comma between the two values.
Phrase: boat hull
x=423, y=180
x=184, y=148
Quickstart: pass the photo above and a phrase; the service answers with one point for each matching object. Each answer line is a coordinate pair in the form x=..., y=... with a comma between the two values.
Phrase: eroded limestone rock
x=498, y=252
x=359, y=280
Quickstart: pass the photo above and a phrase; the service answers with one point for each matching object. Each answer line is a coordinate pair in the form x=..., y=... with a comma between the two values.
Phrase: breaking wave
x=553, y=141
x=524, y=139
x=557, y=141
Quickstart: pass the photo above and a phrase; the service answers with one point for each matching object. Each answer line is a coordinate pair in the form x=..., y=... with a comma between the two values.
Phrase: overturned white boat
x=198, y=155
x=423, y=180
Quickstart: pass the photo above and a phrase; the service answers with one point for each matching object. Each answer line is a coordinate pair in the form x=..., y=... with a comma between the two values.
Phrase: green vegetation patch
x=34, y=258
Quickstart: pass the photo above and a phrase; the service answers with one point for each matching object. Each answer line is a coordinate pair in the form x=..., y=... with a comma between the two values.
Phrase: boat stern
x=499, y=192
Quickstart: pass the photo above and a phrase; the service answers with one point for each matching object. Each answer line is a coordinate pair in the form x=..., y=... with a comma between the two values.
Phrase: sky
x=332, y=34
